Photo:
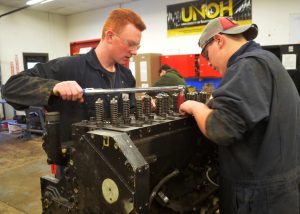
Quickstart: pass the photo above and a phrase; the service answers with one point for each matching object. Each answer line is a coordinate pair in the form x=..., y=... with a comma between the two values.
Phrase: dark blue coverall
x=33, y=87
x=256, y=123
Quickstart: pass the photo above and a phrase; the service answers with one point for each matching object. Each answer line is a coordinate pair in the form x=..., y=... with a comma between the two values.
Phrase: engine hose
x=160, y=183
x=209, y=179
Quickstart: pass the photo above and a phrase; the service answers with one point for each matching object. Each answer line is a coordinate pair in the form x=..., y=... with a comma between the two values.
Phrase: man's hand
x=200, y=111
x=69, y=90
x=153, y=104
x=189, y=106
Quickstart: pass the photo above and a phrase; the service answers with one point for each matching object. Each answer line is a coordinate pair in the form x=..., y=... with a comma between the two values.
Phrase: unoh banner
x=190, y=18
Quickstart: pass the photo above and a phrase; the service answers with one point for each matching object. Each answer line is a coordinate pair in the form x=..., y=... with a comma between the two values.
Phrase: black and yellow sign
x=190, y=18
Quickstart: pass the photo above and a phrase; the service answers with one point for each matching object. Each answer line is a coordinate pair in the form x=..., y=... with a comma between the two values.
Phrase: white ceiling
x=65, y=7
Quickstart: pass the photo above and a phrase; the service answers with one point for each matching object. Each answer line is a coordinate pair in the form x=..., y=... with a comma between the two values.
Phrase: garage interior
x=55, y=28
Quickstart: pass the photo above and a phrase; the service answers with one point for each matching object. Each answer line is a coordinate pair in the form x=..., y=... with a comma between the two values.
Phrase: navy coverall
x=33, y=87
x=256, y=123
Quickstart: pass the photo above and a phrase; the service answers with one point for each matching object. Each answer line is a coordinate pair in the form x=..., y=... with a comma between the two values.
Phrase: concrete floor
x=22, y=163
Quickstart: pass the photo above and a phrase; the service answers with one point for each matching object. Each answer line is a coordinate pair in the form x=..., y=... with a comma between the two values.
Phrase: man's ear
x=109, y=35
x=220, y=39
x=162, y=72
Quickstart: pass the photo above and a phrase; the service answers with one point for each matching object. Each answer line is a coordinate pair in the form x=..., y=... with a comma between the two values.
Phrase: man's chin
x=124, y=61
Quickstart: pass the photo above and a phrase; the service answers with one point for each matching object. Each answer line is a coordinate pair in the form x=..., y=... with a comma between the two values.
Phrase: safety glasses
x=130, y=44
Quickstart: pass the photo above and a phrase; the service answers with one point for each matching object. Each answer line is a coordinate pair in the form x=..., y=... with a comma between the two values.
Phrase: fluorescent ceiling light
x=32, y=2
x=46, y=1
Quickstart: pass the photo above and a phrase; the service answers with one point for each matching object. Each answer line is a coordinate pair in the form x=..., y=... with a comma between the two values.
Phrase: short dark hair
x=164, y=67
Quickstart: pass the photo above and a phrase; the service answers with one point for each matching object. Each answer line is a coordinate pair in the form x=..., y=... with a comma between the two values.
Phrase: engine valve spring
x=147, y=105
x=166, y=104
x=187, y=96
x=203, y=96
x=159, y=105
x=138, y=108
x=191, y=96
x=114, y=111
x=195, y=95
x=99, y=111
x=126, y=110
x=175, y=102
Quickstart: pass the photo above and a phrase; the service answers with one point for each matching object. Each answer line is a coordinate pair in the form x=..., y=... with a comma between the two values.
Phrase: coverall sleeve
x=241, y=101
x=32, y=87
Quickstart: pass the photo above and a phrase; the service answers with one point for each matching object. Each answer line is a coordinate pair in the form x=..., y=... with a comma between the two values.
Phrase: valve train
x=144, y=162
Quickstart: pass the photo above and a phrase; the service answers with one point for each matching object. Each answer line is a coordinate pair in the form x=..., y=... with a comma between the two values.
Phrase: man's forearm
x=201, y=113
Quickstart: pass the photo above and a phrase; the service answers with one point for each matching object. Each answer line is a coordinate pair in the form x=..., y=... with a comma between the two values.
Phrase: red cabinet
x=83, y=46
x=190, y=65
x=186, y=64
x=206, y=71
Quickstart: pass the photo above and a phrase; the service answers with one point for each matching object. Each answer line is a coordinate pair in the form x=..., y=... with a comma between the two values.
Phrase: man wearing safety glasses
x=254, y=117
x=58, y=84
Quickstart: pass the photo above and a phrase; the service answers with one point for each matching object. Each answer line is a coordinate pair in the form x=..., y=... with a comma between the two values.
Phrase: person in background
x=254, y=117
x=57, y=85
x=169, y=77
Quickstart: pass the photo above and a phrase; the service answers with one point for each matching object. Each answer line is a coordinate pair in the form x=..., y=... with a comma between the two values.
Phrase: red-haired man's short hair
x=119, y=18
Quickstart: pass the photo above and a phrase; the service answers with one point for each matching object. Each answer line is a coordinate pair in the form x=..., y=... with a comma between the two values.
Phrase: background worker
x=57, y=85
x=169, y=77
x=254, y=117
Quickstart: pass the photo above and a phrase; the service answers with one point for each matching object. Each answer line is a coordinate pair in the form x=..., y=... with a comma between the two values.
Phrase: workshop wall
x=272, y=16
x=32, y=31
x=274, y=19
x=40, y=32
x=29, y=31
x=154, y=39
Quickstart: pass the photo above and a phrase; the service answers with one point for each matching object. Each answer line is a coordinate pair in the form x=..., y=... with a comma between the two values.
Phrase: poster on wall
x=190, y=18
